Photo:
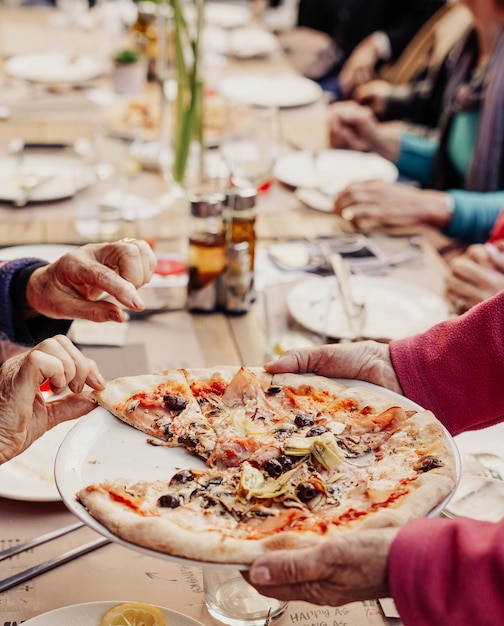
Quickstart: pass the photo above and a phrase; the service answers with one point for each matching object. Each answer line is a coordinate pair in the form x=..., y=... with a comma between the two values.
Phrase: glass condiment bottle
x=238, y=279
x=207, y=251
x=240, y=218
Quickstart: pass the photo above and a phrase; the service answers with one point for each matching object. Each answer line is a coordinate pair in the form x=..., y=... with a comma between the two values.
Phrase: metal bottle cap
x=241, y=198
x=207, y=204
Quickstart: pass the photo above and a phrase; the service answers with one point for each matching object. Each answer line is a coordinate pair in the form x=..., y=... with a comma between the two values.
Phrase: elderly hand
x=355, y=127
x=365, y=360
x=476, y=275
x=338, y=571
x=69, y=288
x=24, y=415
x=374, y=95
x=376, y=203
x=359, y=68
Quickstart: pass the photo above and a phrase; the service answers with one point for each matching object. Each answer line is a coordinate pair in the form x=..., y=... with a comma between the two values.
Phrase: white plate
x=46, y=251
x=245, y=43
x=284, y=90
x=227, y=15
x=477, y=497
x=30, y=476
x=65, y=176
x=330, y=171
x=54, y=67
x=85, y=458
x=90, y=613
x=394, y=309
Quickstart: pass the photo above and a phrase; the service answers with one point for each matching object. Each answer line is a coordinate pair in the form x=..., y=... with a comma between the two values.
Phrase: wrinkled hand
x=364, y=360
x=338, y=571
x=24, y=414
x=376, y=203
x=355, y=127
x=374, y=95
x=360, y=66
x=69, y=287
x=476, y=275
x=352, y=126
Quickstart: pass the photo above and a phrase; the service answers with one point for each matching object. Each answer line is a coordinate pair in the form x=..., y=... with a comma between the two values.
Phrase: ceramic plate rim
x=31, y=488
x=102, y=606
x=286, y=173
x=12, y=70
x=80, y=447
x=67, y=162
x=383, y=281
x=228, y=88
x=46, y=251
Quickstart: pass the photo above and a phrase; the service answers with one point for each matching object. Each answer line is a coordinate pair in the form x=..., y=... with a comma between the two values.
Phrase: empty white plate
x=271, y=90
x=54, y=67
x=330, y=171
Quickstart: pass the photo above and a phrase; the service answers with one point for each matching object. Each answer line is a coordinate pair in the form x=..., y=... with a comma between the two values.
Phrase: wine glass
x=250, y=143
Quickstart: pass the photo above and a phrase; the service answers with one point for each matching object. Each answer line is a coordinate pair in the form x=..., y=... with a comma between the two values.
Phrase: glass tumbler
x=230, y=600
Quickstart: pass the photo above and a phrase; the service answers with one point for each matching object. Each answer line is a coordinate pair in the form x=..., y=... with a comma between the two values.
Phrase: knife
x=355, y=312
x=41, y=568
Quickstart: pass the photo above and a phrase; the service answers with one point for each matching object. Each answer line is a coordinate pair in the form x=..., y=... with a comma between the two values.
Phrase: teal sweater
x=474, y=212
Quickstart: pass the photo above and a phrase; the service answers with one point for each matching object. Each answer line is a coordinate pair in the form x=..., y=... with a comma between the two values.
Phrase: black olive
x=306, y=492
x=215, y=480
x=316, y=431
x=174, y=403
x=274, y=390
x=169, y=501
x=286, y=462
x=182, y=477
x=273, y=467
x=189, y=442
x=302, y=419
x=167, y=431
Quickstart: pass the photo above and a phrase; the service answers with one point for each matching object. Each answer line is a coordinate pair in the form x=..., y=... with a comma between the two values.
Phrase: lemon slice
x=133, y=614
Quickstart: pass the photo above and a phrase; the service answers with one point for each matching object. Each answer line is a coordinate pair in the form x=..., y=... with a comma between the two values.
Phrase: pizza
x=289, y=460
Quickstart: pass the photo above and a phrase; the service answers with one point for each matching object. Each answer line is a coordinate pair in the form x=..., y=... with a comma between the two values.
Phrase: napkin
x=85, y=332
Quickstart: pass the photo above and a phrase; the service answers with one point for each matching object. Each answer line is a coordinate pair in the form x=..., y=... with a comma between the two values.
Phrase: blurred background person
x=463, y=172
x=352, y=37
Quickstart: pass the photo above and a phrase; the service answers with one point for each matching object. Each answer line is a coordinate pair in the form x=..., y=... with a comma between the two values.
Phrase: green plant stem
x=189, y=108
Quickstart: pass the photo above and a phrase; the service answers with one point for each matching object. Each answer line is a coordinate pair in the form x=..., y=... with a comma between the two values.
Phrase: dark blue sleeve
x=14, y=276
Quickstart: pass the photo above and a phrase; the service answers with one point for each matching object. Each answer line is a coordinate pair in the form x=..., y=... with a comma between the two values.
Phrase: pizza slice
x=162, y=406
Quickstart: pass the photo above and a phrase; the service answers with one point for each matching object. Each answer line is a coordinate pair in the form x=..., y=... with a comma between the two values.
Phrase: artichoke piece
x=253, y=483
x=323, y=448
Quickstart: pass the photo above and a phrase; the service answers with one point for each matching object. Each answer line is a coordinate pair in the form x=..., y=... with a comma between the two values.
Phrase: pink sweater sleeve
x=456, y=368
x=451, y=571
x=448, y=572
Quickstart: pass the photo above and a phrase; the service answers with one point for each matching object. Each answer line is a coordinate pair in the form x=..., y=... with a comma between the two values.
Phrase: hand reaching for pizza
x=24, y=414
x=364, y=360
x=70, y=287
x=338, y=571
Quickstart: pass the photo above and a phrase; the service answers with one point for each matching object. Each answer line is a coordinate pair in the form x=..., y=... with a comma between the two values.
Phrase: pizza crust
x=202, y=535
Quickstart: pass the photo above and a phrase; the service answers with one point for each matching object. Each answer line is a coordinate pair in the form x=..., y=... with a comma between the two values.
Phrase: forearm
x=474, y=214
x=432, y=567
x=455, y=368
x=416, y=155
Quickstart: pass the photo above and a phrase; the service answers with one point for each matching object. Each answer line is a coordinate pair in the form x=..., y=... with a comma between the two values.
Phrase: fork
x=30, y=182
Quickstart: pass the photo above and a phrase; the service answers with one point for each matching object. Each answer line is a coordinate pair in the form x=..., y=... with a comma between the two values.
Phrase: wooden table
x=172, y=339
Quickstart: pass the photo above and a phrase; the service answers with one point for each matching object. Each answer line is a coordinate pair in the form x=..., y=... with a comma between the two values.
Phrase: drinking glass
x=250, y=144
x=231, y=601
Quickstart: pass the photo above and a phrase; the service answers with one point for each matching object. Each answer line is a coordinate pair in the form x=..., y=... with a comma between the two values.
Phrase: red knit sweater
x=451, y=572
